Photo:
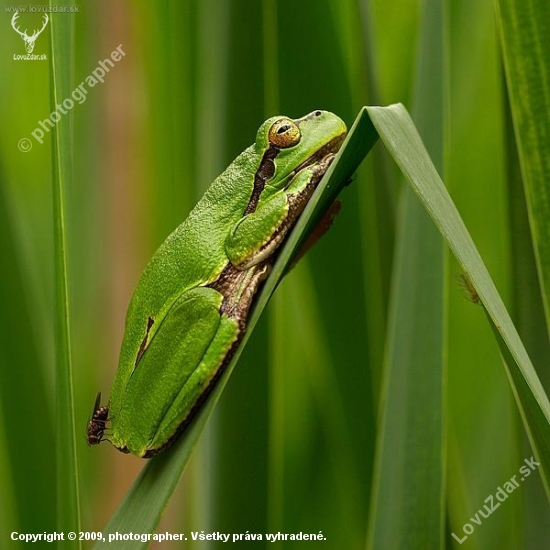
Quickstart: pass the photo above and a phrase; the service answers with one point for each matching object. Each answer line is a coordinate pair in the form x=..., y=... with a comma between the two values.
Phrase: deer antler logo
x=29, y=40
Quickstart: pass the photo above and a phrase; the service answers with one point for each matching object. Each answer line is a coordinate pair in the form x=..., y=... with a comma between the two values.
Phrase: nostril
x=318, y=113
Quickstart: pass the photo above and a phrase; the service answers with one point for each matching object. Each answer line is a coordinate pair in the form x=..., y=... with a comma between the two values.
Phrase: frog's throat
x=331, y=147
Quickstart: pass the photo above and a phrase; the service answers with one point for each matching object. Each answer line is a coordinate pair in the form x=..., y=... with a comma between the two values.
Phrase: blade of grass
x=309, y=383
x=398, y=133
x=24, y=398
x=343, y=321
x=528, y=305
x=377, y=199
x=483, y=421
x=526, y=50
x=68, y=506
x=9, y=519
x=408, y=507
x=524, y=30
x=296, y=505
x=528, y=315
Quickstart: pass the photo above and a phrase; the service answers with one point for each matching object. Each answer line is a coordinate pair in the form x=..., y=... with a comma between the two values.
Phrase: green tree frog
x=189, y=310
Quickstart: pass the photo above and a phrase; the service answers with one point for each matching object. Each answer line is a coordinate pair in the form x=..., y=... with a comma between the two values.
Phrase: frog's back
x=193, y=255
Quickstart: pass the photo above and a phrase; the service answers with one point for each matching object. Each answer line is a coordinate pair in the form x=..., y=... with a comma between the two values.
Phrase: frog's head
x=288, y=145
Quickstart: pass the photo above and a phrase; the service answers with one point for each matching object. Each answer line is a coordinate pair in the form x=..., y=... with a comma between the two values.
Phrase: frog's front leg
x=258, y=234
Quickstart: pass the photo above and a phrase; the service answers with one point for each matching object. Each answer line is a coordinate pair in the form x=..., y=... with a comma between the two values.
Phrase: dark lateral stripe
x=264, y=172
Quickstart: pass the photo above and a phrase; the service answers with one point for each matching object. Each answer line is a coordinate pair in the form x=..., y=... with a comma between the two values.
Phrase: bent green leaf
x=399, y=134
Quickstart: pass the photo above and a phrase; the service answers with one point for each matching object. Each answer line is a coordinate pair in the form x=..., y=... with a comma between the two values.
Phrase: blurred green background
x=292, y=443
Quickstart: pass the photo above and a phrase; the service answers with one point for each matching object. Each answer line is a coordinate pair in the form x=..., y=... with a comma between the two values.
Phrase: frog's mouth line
x=331, y=147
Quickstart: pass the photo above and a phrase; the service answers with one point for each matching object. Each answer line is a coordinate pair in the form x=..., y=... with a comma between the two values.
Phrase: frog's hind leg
x=174, y=370
x=201, y=382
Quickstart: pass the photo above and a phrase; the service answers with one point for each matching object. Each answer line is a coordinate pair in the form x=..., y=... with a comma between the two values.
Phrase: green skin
x=189, y=309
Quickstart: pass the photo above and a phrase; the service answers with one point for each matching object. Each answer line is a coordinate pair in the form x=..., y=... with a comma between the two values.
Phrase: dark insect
x=97, y=424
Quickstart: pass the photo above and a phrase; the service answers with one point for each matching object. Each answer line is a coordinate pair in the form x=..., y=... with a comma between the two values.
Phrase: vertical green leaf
x=68, y=506
x=334, y=312
x=24, y=399
x=525, y=30
x=408, y=499
x=528, y=315
x=377, y=197
x=483, y=423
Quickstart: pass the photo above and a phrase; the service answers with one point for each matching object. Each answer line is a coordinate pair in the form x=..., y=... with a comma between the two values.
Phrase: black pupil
x=283, y=129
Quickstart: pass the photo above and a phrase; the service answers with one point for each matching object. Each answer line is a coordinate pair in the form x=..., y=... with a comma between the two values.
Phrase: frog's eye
x=284, y=133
